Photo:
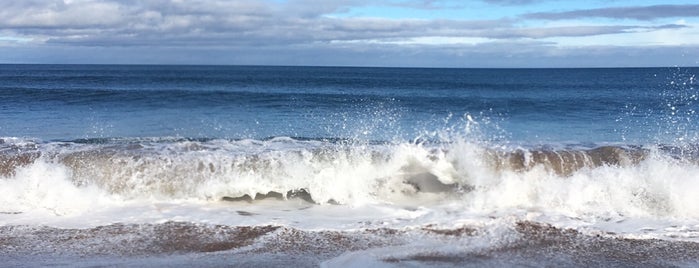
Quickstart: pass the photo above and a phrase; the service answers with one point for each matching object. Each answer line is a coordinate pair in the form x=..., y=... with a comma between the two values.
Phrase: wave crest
x=605, y=180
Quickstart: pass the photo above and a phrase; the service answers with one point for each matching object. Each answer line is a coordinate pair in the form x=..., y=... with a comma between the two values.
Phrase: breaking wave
x=600, y=181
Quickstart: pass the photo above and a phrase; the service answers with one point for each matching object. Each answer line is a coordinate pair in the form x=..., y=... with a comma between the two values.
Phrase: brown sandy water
x=187, y=244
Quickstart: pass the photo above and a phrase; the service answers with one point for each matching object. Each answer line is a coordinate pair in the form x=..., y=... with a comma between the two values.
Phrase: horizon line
x=347, y=66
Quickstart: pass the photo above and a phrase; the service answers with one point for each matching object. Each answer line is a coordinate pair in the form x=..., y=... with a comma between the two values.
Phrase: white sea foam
x=402, y=185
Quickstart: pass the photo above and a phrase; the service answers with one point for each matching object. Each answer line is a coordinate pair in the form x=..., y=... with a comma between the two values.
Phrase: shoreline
x=182, y=244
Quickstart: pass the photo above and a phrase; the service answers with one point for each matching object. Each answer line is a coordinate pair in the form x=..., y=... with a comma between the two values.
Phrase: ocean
x=136, y=165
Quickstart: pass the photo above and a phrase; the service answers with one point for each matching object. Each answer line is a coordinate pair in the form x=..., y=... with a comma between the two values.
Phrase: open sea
x=209, y=166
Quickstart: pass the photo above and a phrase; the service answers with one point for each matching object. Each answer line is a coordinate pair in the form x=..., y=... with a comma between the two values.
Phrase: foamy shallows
x=485, y=196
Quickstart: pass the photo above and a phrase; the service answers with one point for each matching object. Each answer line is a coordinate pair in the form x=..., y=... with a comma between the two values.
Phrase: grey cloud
x=636, y=12
x=295, y=32
x=575, y=31
x=537, y=33
x=492, y=54
x=238, y=23
x=316, y=8
x=57, y=14
x=669, y=26
x=329, y=30
x=333, y=31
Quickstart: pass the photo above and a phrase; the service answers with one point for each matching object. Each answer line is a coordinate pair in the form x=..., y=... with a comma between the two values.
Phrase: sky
x=394, y=33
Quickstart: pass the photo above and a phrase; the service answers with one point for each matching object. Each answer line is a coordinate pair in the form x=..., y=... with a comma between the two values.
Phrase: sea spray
x=597, y=182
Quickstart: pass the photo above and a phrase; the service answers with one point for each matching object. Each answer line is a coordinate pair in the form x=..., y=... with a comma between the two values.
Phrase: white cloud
x=686, y=36
x=630, y=12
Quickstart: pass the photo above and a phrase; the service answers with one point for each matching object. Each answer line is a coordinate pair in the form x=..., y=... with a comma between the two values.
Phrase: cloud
x=503, y=53
x=274, y=32
x=638, y=13
x=324, y=30
x=221, y=23
x=55, y=14
x=218, y=22
x=571, y=31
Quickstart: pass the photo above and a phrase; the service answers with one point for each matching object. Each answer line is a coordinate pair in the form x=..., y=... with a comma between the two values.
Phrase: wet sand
x=187, y=244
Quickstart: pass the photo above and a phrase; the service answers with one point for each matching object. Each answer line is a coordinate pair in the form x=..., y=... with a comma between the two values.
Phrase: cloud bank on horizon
x=407, y=33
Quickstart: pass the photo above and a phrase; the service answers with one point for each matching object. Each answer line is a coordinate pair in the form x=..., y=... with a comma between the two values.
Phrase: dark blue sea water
x=530, y=106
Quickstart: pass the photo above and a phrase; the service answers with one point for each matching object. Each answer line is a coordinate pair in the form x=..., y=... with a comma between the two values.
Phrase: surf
x=617, y=180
